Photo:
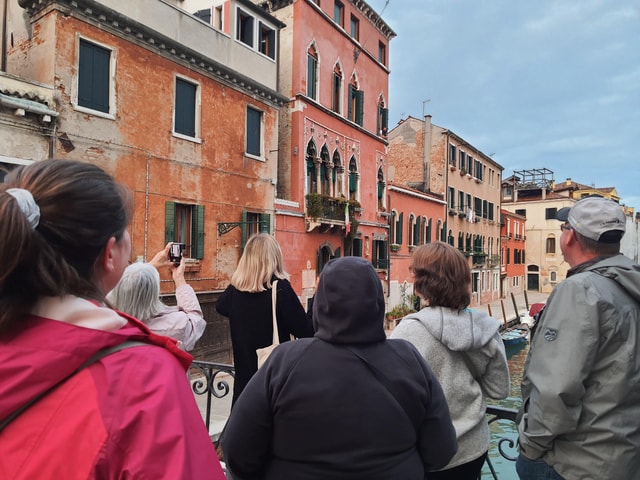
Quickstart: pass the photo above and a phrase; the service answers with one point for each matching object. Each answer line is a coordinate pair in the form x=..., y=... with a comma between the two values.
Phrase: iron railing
x=210, y=378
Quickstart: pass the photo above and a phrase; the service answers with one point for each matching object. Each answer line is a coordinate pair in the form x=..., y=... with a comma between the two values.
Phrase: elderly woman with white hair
x=138, y=294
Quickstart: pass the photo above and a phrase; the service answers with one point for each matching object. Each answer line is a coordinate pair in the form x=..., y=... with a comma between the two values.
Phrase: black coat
x=316, y=410
x=251, y=325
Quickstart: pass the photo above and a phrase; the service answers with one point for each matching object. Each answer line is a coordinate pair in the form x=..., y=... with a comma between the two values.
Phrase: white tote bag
x=263, y=353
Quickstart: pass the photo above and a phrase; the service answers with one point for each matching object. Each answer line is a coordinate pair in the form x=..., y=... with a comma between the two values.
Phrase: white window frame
x=112, y=79
x=260, y=157
x=197, y=110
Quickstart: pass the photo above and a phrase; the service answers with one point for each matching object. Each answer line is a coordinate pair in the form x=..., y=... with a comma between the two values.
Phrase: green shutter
x=385, y=118
x=244, y=228
x=399, y=230
x=350, y=103
x=169, y=222
x=338, y=253
x=197, y=232
x=265, y=223
x=359, y=106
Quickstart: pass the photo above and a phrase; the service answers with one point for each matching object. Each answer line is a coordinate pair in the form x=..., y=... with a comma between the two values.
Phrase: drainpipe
x=3, y=60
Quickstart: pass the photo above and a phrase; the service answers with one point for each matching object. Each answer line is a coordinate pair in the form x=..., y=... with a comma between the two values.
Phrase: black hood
x=349, y=303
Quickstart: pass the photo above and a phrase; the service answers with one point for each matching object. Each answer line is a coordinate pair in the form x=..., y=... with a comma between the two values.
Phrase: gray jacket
x=581, y=388
x=466, y=353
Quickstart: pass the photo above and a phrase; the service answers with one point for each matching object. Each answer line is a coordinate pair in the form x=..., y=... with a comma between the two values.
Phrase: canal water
x=505, y=469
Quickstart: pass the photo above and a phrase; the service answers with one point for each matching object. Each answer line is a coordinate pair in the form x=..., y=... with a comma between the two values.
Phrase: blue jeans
x=535, y=470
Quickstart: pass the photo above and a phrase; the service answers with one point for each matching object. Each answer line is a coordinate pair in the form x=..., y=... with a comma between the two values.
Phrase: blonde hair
x=260, y=262
x=138, y=292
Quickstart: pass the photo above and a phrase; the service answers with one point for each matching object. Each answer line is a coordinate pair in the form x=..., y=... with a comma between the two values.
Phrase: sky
x=534, y=84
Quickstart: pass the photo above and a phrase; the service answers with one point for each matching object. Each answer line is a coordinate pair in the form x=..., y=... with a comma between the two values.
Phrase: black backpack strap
x=94, y=358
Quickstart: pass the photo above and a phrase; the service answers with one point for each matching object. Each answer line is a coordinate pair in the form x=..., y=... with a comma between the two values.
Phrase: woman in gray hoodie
x=463, y=348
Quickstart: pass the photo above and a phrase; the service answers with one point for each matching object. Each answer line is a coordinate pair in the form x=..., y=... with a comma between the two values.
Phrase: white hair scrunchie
x=27, y=204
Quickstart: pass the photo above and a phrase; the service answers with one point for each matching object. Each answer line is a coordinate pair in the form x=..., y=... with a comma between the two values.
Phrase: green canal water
x=505, y=469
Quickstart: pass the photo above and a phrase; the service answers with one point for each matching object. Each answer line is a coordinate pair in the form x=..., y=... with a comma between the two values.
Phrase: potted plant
x=394, y=247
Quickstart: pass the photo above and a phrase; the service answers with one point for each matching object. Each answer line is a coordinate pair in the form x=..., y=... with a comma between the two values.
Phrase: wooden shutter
x=399, y=230
x=197, y=232
x=169, y=222
x=243, y=225
x=350, y=103
x=359, y=106
x=265, y=223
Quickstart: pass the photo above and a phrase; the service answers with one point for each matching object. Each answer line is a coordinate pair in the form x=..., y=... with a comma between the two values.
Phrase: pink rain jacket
x=129, y=415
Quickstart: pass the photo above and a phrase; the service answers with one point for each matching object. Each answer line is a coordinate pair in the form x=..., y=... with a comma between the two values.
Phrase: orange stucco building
x=513, y=253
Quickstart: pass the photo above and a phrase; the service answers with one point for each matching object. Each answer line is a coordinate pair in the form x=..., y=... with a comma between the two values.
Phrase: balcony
x=328, y=212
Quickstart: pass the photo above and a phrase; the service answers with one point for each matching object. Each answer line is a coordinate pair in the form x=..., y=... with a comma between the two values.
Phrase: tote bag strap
x=276, y=336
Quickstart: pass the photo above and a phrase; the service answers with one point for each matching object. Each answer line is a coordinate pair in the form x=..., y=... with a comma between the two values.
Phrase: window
x=244, y=28
x=253, y=223
x=412, y=230
x=204, y=15
x=550, y=213
x=355, y=28
x=185, y=224
x=553, y=277
x=398, y=229
x=338, y=13
x=312, y=73
x=463, y=162
x=312, y=184
x=427, y=230
x=461, y=201
x=551, y=245
x=94, y=77
x=452, y=198
x=452, y=155
x=185, y=108
x=353, y=179
x=383, y=118
x=381, y=186
x=380, y=258
x=522, y=212
x=491, y=208
x=267, y=41
x=336, y=97
x=356, y=103
x=382, y=53
x=254, y=132
x=218, y=17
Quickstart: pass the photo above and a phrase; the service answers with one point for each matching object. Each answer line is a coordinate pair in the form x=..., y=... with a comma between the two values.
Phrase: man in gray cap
x=580, y=417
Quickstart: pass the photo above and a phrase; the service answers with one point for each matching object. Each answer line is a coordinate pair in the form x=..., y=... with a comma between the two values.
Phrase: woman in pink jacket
x=69, y=407
x=138, y=294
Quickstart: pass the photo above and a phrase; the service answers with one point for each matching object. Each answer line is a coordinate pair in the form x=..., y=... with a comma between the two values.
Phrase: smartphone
x=175, y=252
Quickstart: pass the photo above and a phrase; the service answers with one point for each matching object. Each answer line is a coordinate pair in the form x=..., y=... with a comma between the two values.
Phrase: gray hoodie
x=466, y=352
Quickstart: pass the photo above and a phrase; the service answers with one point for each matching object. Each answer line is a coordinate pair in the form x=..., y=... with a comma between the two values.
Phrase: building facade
x=183, y=113
x=332, y=147
x=512, y=253
x=432, y=159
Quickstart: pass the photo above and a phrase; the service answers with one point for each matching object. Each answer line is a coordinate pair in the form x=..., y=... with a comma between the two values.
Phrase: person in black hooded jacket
x=346, y=404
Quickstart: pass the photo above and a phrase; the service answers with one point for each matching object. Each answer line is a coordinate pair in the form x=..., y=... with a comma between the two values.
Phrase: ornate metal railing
x=494, y=414
x=211, y=379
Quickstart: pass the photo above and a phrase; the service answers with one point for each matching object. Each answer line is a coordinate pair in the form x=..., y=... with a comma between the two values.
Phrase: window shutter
x=416, y=231
x=359, y=106
x=400, y=227
x=197, y=232
x=338, y=252
x=169, y=222
x=265, y=223
x=385, y=119
x=185, y=108
x=311, y=77
x=244, y=228
x=352, y=182
x=350, y=105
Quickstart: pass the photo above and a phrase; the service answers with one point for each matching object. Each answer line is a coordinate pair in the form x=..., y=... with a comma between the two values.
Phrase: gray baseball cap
x=595, y=217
